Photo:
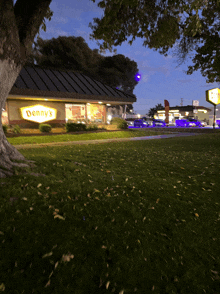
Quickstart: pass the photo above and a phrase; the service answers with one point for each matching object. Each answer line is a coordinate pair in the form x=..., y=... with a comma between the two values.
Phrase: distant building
x=178, y=112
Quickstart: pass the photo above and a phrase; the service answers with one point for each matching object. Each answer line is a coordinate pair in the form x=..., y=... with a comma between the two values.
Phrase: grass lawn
x=130, y=217
x=85, y=136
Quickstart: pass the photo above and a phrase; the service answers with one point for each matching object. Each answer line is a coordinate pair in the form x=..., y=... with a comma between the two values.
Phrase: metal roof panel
x=76, y=77
x=58, y=84
x=89, y=84
x=72, y=83
x=28, y=80
x=35, y=74
x=19, y=83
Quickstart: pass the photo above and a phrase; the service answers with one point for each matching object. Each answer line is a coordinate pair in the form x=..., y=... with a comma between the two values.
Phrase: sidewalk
x=26, y=146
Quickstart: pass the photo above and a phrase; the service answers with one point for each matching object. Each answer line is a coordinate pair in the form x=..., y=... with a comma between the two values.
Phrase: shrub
x=116, y=120
x=92, y=128
x=122, y=125
x=5, y=128
x=45, y=128
x=74, y=127
x=16, y=129
x=120, y=122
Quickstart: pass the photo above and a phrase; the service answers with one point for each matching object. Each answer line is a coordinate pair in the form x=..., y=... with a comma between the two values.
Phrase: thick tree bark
x=8, y=153
x=19, y=25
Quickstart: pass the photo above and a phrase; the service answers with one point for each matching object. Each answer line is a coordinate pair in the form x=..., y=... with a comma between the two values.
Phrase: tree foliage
x=73, y=53
x=153, y=110
x=181, y=25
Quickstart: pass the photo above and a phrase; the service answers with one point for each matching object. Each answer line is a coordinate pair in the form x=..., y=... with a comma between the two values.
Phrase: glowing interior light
x=109, y=117
x=100, y=102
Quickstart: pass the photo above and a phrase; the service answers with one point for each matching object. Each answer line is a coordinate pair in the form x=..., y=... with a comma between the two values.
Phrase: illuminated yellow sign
x=38, y=113
x=213, y=96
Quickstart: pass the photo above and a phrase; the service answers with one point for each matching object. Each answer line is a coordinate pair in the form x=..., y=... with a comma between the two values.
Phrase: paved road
x=25, y=146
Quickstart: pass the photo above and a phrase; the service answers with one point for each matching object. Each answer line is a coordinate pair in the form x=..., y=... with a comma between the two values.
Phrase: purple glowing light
x=137, y=77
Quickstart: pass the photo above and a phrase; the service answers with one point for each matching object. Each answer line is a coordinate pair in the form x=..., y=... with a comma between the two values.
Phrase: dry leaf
x=47, y=254
x=67, y=257
x=107, y=284
x=196, y=214
x=59, y=216
x=39, y=185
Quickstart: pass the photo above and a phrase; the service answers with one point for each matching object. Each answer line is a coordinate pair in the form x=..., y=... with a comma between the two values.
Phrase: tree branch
x=29, y=17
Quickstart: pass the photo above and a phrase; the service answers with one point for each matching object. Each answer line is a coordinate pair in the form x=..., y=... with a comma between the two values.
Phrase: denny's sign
x=38, y=113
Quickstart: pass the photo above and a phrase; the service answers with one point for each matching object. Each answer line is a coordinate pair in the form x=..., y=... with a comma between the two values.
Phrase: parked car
x=217, y=123
x=204, y=124
x=139, y=123
x=189, y=122
x=130, y=123
x=159, y=123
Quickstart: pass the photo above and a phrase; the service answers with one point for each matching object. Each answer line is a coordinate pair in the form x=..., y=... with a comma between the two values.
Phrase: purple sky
x=161, y=78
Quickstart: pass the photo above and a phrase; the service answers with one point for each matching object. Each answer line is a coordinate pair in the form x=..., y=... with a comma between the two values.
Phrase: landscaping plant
x=45, y=128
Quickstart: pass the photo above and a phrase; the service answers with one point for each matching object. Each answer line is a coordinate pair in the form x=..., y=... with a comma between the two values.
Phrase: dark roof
x=187, y=108
x=37, y=81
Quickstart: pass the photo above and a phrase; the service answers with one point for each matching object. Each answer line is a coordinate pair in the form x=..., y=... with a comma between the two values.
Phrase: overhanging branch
x=29, y=16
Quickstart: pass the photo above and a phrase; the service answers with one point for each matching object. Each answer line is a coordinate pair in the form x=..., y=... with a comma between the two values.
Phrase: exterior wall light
x=100, y=102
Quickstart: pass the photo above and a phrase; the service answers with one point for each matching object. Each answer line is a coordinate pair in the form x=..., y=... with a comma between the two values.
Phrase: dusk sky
x=161, y=76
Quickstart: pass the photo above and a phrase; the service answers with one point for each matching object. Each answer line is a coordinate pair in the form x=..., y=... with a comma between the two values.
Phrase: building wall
x=14, y=115
x=94, y=112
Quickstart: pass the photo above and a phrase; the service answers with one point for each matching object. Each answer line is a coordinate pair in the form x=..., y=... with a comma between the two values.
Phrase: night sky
x=161, y=76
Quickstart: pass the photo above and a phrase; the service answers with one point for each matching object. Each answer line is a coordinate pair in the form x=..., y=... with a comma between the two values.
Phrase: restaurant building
x=56, y=96
x=179, y=112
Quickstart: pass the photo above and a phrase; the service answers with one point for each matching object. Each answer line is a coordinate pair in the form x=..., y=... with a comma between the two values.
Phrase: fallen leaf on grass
x=196, y=214
x=39, y=185
x=59, y=216
x=158, y=200
x=96, y=191
x=107, y=284
x=47, y=254
x=54, y=193
x=67, y=257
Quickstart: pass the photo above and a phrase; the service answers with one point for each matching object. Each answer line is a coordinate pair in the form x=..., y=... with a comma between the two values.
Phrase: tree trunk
x=8, y=153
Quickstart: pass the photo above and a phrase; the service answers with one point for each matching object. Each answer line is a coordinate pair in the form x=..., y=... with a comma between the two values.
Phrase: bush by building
x=16, y=129
x=5, y=128
x=75, y=127
x=45, y=128
x=92, y=128
x=120, y=122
